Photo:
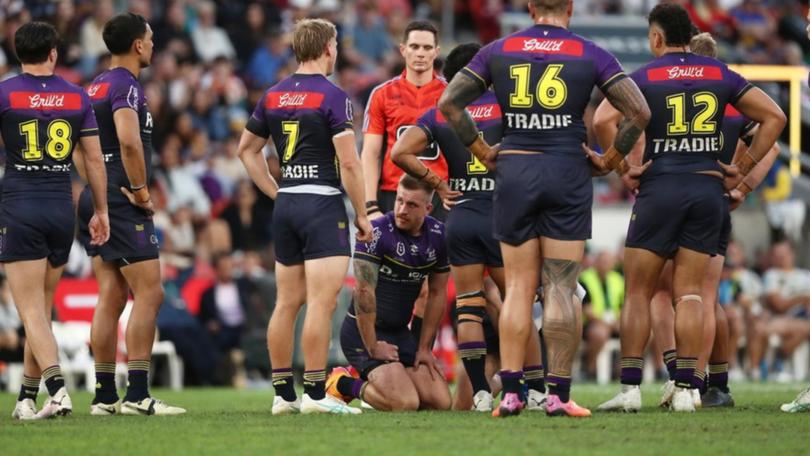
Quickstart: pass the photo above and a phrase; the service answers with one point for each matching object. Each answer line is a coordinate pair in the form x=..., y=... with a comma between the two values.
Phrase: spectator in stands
x=787, y=299
x=785, y=214
x=183, y=188
x=268, y=60
x=367, y=43
x=171, y=33
x=209, y=40
x=223, y=311
x=90, y=35
x=247, y=222
x=601, y=306
x=249, y=33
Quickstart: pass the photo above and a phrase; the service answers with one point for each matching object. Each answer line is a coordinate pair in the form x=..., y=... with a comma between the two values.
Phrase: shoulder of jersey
x=383, y=85
x=434, y=226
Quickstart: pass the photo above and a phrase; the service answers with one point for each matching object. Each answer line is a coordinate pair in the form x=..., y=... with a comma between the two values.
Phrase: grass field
x=229, y=422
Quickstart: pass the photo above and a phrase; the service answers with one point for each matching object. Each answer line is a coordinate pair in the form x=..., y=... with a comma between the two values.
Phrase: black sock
x=669, y=360
x=416, y=328
x=512, y=382
x=699, y=381
x=350, y=387
x=138, y=373
x=632, y=370
x=105, y=384
x=29, y=388
x=560, y=386
x=718, y=376
x=283, y=384
x=473, y=355
x=535, y=378
x=315, y=383
x=53, y=379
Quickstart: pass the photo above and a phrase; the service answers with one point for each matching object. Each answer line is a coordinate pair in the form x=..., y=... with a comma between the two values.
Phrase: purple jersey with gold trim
x=405, y=261
x=467, y=174
x=543, y=77
x=687, y=95
x=42, y=119
x=302, y=113
x=735, y=126
x=110, y=91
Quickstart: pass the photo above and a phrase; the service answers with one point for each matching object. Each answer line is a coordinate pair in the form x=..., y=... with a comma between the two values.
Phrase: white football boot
x=683, y=401
x=329, y=404
x=628, y=400
x=482, y=401
x=150, y=406
x=536, y=401
x=25, y=409
x=57, y=405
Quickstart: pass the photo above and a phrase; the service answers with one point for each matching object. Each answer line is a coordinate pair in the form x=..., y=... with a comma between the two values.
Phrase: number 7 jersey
x=42, y=119
x=303, y=113
x=543, y=77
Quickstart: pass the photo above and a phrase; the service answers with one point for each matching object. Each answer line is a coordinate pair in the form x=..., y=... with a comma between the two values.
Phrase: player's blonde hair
x=310, y=38
x=703, y=44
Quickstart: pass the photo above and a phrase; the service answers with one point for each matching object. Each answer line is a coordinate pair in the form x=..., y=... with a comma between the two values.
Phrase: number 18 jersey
x=543, y=77
x=42, y=118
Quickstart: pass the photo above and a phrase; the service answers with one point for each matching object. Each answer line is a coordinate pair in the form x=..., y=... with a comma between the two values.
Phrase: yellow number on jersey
x=551, y=91
x=58, y=145
x=291, y=129
x=701, y=123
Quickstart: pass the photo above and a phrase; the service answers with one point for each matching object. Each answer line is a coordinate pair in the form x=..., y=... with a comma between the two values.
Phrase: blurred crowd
x=212, y=62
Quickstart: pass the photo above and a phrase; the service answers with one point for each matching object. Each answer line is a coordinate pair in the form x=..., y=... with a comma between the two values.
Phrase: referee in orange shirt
x=396, y=105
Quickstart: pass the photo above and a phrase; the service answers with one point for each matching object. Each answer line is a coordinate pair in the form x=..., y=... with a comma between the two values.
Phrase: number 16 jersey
x=543, y=77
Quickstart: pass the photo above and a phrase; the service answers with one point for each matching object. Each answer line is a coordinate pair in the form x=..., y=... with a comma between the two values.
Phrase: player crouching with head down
x=397, y=372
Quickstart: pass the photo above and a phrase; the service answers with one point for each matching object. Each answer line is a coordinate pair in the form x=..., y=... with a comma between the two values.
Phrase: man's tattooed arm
x=625, y=96
x=365, y=301
x=461, y=91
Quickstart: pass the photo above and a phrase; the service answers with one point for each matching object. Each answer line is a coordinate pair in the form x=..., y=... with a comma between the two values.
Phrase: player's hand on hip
x=363, y=229
x=143, y=202
x=426, y=358
x=384, y=351
x=447, y=195
x=732, y=176
x=632, y=178
x=598, y=165
x=99, y=228
x=736, y=198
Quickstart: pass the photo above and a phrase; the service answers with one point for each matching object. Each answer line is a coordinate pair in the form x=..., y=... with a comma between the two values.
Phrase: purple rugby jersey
x=302, y=114
x=543, y=77
x=404, y=261
x=42, y=119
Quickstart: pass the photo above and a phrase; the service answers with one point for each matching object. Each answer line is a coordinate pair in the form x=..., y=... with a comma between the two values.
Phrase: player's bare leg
x=471, y=309
x=28, y=281
x=687, y=279
x=290, y=296
x=390, y=388
x=709, y=294
x=562, y=321
x=522, y=276
x=434, y=394
x=32, y=373
x=718, y=394
x=324, y=279
x=112, y=298
x=642, y=269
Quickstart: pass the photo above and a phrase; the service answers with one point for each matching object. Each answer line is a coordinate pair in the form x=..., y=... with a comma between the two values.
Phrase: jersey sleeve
x=89, y=126
x=739, y=85
x=125, y=96
x=372, y=251
x=608, y=69
x=257, y=123
x=374, y=117
x=340, y=112
x=427, y=123
x=478, y=68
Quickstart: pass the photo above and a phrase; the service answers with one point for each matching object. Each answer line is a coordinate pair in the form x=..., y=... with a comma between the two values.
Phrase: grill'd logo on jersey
x=294, y=100
x=480, y=113
x=45, y=101
x=685, y=73
x=541, y=46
